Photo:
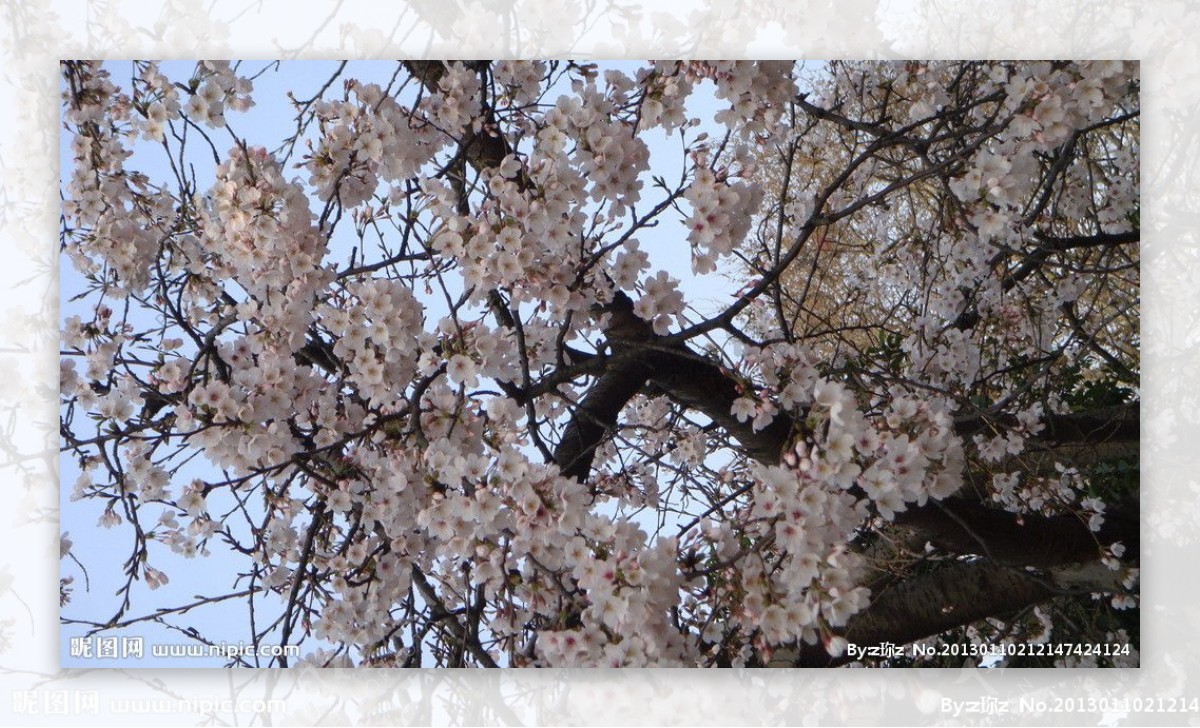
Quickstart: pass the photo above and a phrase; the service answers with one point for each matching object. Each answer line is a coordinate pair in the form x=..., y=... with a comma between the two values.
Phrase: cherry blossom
x=538, y=363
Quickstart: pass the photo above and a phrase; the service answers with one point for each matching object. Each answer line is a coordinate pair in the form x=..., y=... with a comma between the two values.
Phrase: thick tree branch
x=961, y=526
x=596, y=416
x=639, y=358
x=1117, y=423
x=696, y=383
x=958, y=525
x=954, y=595
x=1099, y=240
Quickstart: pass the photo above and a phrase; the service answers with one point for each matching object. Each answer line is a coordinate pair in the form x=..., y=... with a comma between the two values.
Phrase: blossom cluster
x=842, y=469
x=371, y=137
x=215, y=87
x=758, y=92
x=722, y=212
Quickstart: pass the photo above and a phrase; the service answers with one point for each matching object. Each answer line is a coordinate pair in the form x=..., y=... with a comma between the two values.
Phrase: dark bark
x=641, y=358
x=958, y=525
x=955, y=594
x=1118, y=423
x=694, y=382
x=596, y=416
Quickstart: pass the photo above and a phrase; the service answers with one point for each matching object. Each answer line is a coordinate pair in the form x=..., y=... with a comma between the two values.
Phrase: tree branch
x=1117, y=423
x=961, y=526
x=956, y=524
x=954, y=595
